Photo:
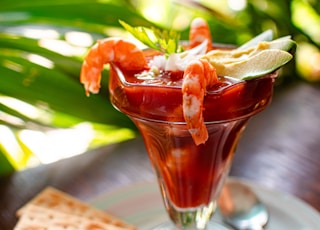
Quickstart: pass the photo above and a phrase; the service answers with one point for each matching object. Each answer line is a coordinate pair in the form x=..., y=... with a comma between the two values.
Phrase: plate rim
x=309, y=212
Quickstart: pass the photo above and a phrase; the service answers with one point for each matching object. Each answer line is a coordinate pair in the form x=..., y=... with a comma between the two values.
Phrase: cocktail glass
x=190, y=176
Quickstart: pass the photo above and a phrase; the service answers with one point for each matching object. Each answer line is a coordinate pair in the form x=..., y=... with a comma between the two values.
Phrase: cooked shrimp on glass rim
x=201, y=64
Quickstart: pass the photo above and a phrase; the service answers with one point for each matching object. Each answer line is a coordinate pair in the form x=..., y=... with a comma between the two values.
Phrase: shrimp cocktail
x=191, y=101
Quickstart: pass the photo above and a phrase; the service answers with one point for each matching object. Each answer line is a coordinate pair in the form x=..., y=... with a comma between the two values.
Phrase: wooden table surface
x=280, y=149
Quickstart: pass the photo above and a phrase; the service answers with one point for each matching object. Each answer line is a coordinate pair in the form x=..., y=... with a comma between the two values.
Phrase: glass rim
x=129, y=84
x=125, y=83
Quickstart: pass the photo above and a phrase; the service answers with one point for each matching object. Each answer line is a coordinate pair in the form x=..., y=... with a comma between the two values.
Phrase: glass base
x=210, y=226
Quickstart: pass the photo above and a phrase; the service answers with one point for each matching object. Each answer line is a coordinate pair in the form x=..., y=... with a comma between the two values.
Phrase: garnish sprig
x=165, y=41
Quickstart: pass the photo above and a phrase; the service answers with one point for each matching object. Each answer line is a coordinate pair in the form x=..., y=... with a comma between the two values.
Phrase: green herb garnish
x=165, y=41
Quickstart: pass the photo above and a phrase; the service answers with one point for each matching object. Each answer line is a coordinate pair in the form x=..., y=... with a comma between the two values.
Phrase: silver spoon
x=241, y=208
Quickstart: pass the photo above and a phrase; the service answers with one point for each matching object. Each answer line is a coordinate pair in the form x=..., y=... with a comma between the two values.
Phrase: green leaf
x=165, y=41
x=5, y=165
x=143, y=34
x=54, y=88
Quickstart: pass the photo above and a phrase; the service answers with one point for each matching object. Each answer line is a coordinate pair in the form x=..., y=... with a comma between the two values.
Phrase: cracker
x=40, y=218
x=61, y=202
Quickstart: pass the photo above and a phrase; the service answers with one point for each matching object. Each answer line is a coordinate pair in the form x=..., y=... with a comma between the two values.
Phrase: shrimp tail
x=123, y=53
x=198, y=76
x=199, y=32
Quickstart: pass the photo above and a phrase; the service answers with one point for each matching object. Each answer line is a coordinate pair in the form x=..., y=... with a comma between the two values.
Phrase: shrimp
x=110, y=50
x=198, y=76
x=199, y=32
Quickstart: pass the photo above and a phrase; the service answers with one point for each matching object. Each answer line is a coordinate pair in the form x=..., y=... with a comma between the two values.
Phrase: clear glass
x=190, y=176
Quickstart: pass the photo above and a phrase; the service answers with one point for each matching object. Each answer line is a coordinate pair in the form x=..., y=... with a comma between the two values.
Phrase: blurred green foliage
x=40, y=63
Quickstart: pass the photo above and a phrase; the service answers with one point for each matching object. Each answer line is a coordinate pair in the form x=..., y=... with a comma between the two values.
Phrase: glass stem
x=195, y=219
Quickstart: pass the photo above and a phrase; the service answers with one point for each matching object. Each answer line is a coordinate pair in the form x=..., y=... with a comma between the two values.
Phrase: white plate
x=141, y=205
